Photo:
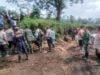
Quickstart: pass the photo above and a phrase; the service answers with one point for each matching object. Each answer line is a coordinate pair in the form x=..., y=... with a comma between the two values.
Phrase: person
x=73, y=34
x=3, y=42
x=97, y=43
x=21, y=43
x=53, y=36
x=12, y=22
x=10, y=35
x=50, y=35
x=79, y=37
x=86, y=38
x=1, y=21
x=75, y=31
x=22, y=16
x=39, y=38
x=69, y=31
x=29, y=37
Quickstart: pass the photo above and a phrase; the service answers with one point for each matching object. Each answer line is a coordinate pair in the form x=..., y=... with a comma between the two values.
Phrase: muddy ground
x=65, y=59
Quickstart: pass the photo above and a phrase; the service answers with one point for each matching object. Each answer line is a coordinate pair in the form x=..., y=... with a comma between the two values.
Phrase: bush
x=44, y=23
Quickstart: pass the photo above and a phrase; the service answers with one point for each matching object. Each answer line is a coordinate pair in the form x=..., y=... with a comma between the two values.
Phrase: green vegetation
x=45, y=23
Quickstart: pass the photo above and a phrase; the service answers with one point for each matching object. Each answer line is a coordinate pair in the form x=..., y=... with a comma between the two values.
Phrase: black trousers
x=97, y=53
x=50, y=43
x=86, y=50
x=3, y=50
x=81, y=43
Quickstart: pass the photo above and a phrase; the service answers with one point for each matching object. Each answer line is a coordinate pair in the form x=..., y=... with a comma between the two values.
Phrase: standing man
x=3, y=42
x=20, y=42
x=10, y=35
x=39, y=38
x=86, y=38
x=97, y=43
x=80, y=35
x=53, y=36
x=12, y=22
x=50, y=35
x=1, y=21
x=29, y=37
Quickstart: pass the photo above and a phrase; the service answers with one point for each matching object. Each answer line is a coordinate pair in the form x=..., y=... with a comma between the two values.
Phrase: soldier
x=86, y=38
x=29, y=37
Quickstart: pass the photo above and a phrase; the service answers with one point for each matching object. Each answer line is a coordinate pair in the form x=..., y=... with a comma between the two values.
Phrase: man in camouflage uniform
x=29, y=37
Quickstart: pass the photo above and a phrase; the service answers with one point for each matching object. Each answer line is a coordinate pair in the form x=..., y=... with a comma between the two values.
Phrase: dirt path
x=64, y=60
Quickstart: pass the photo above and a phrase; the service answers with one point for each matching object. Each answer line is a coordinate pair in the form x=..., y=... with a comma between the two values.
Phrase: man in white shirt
x=3, y=42
x=50, y=34
x=97, y=43
x=37, y=32
x=10, y=35
x=53, y=36
x=80, y=34
x=39, y=38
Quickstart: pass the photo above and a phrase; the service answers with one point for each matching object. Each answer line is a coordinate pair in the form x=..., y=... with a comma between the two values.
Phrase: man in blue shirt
x=20, y=43
x=1, y=21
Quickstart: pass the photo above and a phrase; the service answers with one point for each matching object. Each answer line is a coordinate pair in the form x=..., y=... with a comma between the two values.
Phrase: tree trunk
x=58, y=17
x=58, y=4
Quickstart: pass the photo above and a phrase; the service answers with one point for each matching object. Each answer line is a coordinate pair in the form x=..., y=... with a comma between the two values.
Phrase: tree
x=2, y=9
x=97, y=22
x=12, y=12
x=49, y=14
x=22, y=4
x=72, y=18
x=54, y=5
x=35, y=12
x=58, y=5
